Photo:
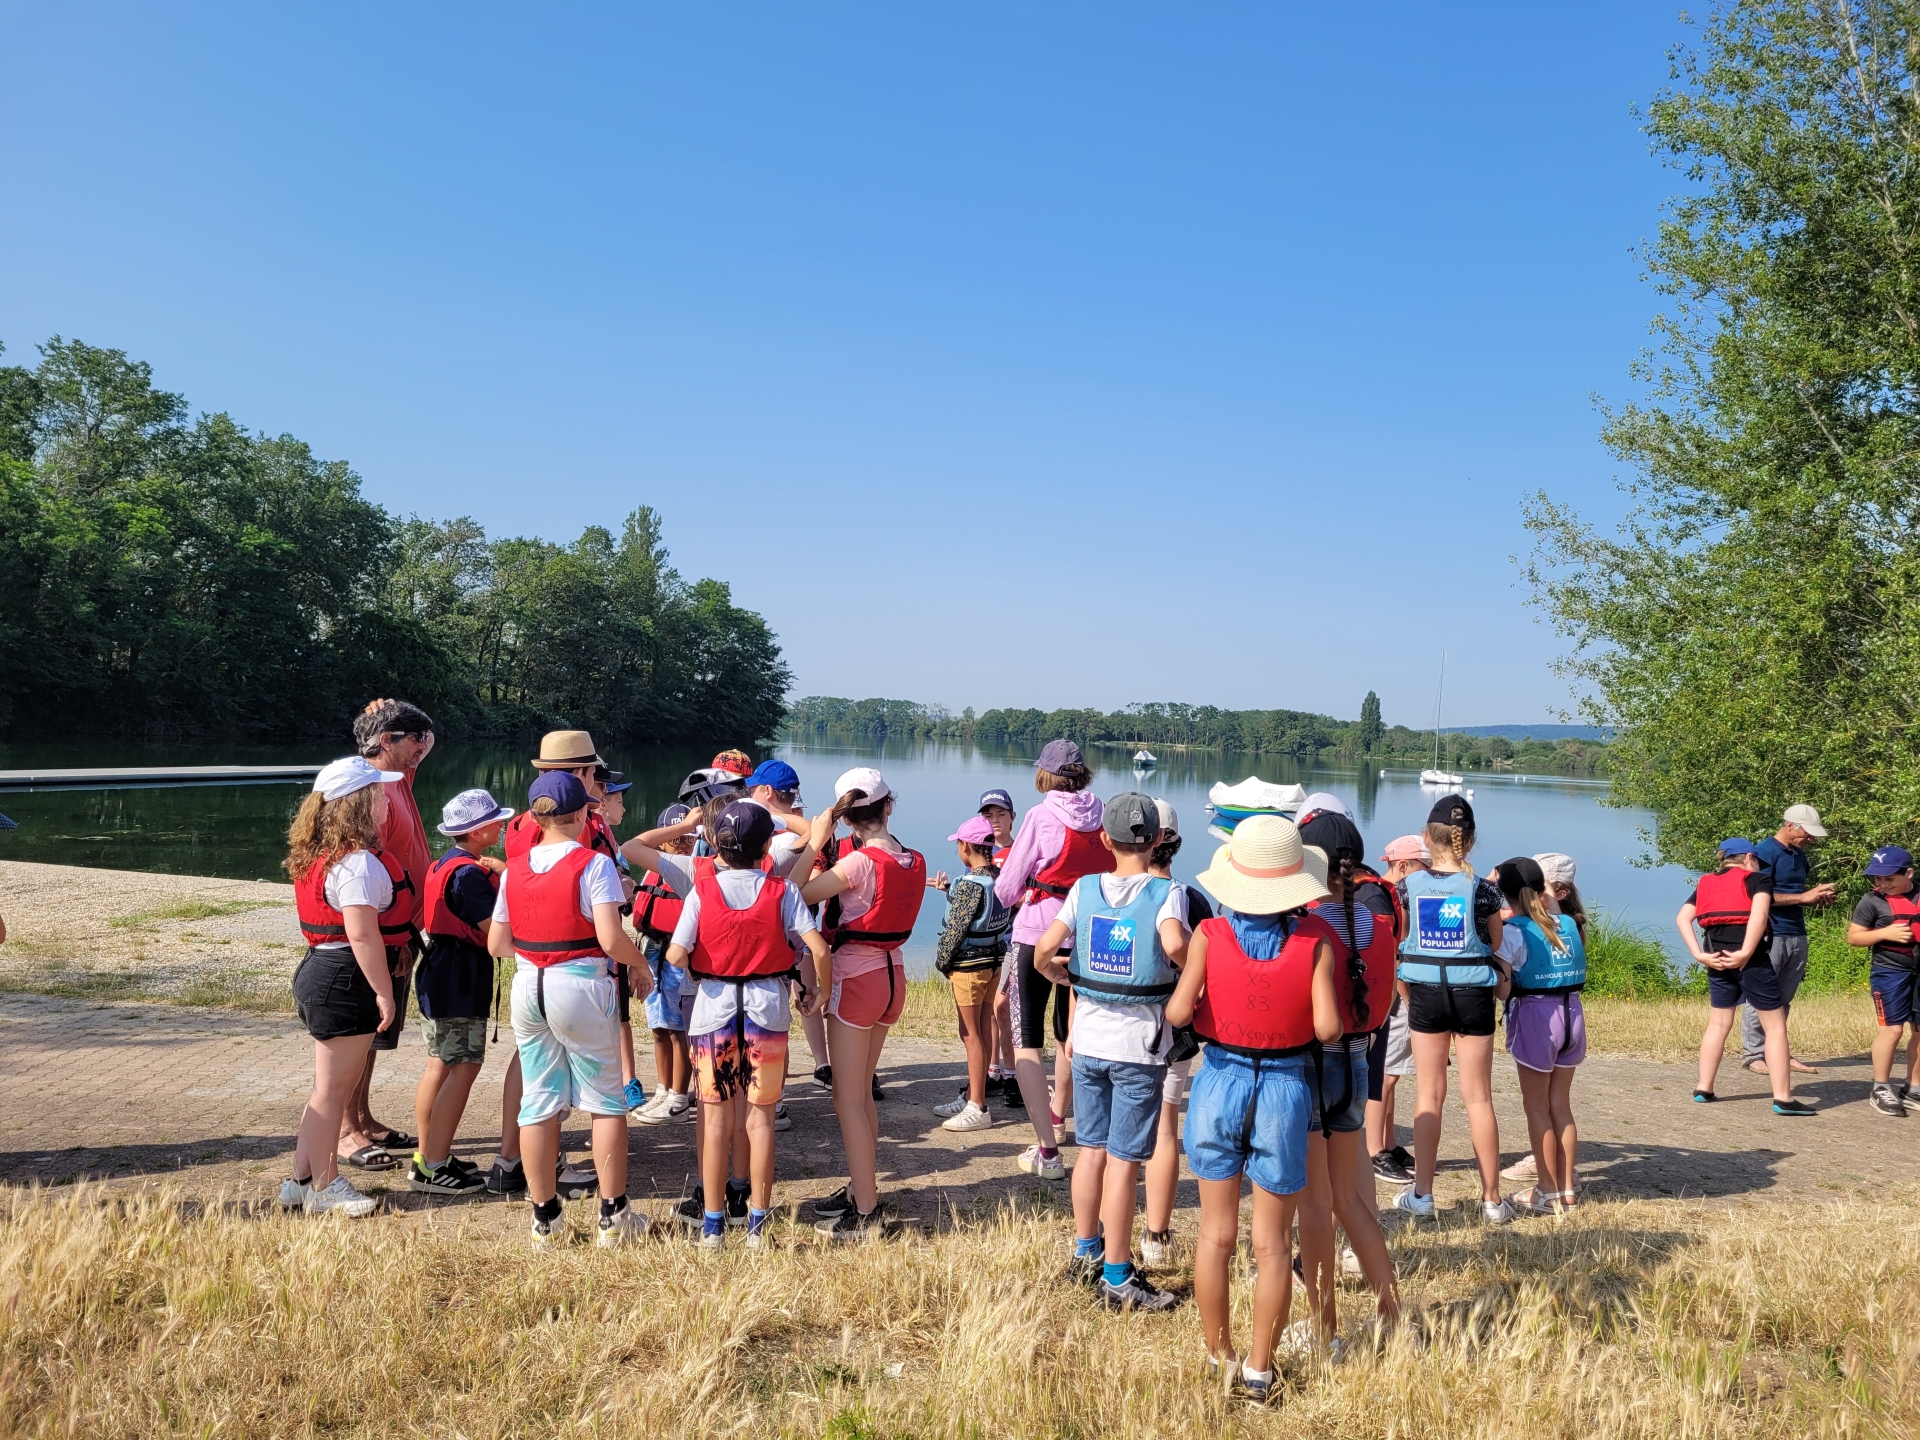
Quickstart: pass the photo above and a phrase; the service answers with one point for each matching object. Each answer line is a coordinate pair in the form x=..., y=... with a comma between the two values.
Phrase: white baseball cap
x=343, y=777
x=867, y=780
x=1169, y=820
x=1807, y=818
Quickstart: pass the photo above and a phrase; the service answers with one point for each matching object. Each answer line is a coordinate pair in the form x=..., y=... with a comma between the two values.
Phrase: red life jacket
x=321, y=924
x=1906, y=910
x=739, y=944
x=898, y=891
x=1080, y=854
x=1261, y=1008
x=439, y=918
x=523, y=833
x=598, y=835
x=1722, y=899
x=545, y=911
x=1377, y=960
x=1391, y=893
x=660, y=913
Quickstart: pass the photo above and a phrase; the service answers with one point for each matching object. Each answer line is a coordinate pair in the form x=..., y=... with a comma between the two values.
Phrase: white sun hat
x=1264, y=869
x=343, y=777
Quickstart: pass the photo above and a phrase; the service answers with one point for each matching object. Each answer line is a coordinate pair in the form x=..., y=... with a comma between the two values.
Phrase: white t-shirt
x=1513, y=947
x=785, y=849
x=714, y=1001
x=1128, y=1032
x=599, y=882
x=357, y=878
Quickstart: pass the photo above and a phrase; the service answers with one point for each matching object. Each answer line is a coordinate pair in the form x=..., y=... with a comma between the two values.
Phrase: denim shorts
x=666, y=1003
x=1116, y=1106
x=1251, y=1117
x=1352, y=1114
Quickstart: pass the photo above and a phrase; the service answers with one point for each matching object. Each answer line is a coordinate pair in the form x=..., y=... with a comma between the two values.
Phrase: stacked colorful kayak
x=1230, y=804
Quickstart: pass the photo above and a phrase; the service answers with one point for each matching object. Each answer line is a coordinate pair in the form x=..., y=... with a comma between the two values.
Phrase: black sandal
x=398, y=1140
x=368, y=1157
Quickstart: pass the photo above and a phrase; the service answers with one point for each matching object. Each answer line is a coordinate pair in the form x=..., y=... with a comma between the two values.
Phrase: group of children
x=1303, y=980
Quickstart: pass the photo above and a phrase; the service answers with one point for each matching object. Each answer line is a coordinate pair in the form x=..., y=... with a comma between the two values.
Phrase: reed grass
x=147, y=1316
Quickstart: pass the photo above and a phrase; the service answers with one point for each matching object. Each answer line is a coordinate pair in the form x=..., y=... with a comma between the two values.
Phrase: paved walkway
x=140, y=1094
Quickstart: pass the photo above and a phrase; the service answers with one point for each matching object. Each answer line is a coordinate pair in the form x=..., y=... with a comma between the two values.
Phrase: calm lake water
x=239, y=830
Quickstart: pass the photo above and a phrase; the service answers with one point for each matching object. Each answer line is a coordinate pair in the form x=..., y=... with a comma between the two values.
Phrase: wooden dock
x=112, y=778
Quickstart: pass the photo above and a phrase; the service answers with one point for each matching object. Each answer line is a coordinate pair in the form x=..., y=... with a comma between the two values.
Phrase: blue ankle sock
x=713, y=1222
x=1088, y=1248
x=1116, y=1274
x=756, y=1220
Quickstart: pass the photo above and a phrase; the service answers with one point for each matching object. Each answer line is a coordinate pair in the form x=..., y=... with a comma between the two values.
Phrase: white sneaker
x=1496, y=1212
x=340, y=1196
x=1047, y=1168
x=619, y=1229
x=682, y=1108
x=657, y=1110
x=293, y=1195
x=1157, y=1253
x=970, y=1117
x=1296, y=1342
x=781, y=1119
x=952, y=1107
x=1521, y=1169
x=1350, y=1263
x=551, y=1234
x=1420, y=1206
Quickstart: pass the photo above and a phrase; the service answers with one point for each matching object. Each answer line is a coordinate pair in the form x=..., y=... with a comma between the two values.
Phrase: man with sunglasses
x=393, y=736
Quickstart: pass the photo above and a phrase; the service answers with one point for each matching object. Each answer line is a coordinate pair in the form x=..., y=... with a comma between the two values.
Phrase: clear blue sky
x=1006, y=354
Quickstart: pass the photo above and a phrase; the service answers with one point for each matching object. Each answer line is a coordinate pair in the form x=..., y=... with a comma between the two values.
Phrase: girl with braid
x=1448, y=965
x=1339, y=1173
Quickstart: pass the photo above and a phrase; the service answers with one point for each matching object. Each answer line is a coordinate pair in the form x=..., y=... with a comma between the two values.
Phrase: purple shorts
x=1547, y=1032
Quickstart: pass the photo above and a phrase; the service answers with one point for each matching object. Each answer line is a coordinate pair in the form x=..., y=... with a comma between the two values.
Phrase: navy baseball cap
x=1889, y=860
x=1737, y=846
x=775, y=773
x=562, y=788
x=996, y=797
x=672, y=815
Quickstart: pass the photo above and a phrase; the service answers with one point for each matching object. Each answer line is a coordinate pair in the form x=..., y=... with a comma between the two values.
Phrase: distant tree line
x=166, y=575
x=1296, y=734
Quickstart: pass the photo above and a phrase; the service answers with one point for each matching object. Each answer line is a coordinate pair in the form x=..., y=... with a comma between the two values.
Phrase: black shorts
x=1756, y=985
x=1028, y=996
x=624, y=987
x=1471, y=1011
x=1377, y=1062
x=333, y=997
x=389, y=1038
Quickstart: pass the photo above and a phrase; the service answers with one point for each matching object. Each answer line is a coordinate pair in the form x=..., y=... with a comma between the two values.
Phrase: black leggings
x=1027, y=997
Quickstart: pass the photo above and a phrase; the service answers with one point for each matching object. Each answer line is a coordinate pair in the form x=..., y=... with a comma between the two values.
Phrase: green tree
x=1371, y=728
x=1752, y=628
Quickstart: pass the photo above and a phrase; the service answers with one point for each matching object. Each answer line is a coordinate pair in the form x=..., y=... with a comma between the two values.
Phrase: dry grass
x=1669, y=1028
x=145, y=1317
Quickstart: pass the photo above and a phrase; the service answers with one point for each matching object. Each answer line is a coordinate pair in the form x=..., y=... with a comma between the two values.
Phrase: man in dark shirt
x=1783, y=859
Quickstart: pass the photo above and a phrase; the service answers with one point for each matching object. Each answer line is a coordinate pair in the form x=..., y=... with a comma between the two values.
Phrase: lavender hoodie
x=1042, y=835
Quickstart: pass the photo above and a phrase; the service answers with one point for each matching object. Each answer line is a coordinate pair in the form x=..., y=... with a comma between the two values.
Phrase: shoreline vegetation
x=168, y=575
x=1298, y=735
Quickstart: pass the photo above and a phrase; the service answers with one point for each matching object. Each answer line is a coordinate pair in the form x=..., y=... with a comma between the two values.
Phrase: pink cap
x=1407, y=847
x=977, y=831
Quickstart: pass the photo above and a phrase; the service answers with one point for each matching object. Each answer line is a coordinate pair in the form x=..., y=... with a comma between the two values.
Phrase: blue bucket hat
x=469, y=810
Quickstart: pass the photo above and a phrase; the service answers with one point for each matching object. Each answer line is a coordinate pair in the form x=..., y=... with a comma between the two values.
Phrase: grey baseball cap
x=1132, y=818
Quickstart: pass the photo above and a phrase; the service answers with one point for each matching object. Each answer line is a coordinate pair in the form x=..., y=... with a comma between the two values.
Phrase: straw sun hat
x=1265, y=869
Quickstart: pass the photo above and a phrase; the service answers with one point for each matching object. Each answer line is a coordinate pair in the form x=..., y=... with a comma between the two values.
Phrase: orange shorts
x=875, y=998
x=723, y=1072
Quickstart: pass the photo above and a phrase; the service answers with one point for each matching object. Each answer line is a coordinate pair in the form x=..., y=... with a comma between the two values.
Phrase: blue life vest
x=1443, y=945
x=986, y=938
x=1116, y=948
x=1545, y=972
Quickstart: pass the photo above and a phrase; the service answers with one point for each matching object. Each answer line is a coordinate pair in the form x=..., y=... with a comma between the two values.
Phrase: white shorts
x=1173, y=1091
x=566, y=1021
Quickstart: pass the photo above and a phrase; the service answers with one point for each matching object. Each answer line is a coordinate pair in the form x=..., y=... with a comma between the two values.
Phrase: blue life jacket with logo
x=986, y=939
x=1544, y=971
x=1443, y=945
x=1116, y=948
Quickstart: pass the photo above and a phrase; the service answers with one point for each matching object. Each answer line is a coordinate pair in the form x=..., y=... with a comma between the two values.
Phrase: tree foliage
x=164, y=574
x=1752, y=628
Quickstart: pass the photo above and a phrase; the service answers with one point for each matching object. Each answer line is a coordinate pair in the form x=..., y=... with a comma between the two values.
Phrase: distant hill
x=1536, y=732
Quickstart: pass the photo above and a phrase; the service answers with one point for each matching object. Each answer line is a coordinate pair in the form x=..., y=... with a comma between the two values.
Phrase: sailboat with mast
x=1444, y=779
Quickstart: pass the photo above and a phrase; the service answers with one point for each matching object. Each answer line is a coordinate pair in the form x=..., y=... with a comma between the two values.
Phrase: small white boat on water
x=1143, y=760
x=1440, y=777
